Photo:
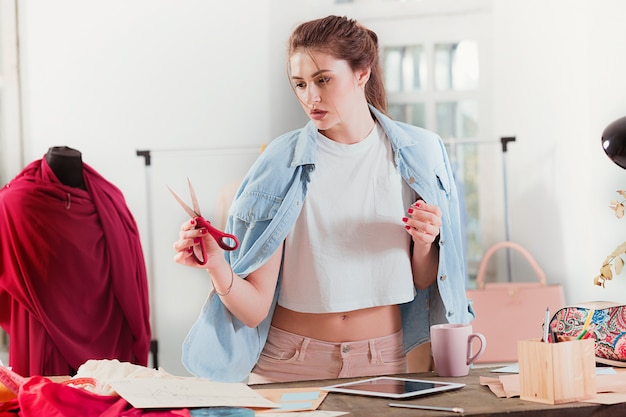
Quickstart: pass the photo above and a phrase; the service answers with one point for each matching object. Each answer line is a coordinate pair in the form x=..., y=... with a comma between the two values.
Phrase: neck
x=352, y=131
x=67, y=165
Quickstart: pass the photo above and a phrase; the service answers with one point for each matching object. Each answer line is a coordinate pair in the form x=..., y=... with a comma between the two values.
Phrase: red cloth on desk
x=41, y=397
x=73, y=282
x=9, y=408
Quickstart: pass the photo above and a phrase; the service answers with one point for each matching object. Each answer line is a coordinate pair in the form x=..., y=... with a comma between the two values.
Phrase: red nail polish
x=407, y=227
x=192, y=221
x=196, y=240
x=405, y=219
x=190, y=250
x=410, y=211
x=204, y=231
x=418, y=205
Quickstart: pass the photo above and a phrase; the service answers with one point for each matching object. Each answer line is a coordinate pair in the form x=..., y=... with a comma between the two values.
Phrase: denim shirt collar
x=306, y=149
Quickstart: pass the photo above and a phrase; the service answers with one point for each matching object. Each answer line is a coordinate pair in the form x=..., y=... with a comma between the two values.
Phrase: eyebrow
x=315, y=74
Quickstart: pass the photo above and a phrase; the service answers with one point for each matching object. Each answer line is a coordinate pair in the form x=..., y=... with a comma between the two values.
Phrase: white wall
x=109, y=78
x=557, y=85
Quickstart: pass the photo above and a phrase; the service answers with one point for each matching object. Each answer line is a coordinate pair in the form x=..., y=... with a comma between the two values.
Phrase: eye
x=298, y=85
x=323, y=80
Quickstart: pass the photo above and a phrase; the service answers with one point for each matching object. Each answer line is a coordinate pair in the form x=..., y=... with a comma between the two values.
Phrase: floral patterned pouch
x=607, y=326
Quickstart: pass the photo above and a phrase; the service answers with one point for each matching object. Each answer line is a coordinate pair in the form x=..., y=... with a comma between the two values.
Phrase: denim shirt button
x=411, y=180
x=443, y=277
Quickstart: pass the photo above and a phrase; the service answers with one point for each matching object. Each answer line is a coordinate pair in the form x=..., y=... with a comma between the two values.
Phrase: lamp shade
x=614, y=141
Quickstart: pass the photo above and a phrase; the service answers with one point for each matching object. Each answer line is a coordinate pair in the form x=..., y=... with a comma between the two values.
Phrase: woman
x=349, y=233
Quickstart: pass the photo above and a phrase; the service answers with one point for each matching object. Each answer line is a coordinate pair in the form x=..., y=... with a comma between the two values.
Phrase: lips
x=317, y=114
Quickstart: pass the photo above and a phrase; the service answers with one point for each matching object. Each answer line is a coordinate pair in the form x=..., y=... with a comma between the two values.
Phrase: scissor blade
x=194, y=199
x=182, y=203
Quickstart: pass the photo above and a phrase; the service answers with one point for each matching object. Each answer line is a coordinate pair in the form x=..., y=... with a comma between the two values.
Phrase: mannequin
x=73, y=282
x=67, y=165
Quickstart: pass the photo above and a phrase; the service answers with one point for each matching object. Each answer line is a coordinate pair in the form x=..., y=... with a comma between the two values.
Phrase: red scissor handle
x=225, y=241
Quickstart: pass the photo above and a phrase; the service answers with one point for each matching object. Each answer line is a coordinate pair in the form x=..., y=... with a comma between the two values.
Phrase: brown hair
x=348, y=40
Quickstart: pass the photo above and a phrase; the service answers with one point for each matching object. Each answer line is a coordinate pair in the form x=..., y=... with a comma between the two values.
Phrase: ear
x=363, y=76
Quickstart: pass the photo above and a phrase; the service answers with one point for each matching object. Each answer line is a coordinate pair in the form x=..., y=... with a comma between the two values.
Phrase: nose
x=313, y=96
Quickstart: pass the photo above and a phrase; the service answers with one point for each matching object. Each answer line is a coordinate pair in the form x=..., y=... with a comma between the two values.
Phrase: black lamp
x=614, y=144
x=614, y=141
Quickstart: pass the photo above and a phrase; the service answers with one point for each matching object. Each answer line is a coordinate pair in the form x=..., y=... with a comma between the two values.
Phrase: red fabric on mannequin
x=73, y=283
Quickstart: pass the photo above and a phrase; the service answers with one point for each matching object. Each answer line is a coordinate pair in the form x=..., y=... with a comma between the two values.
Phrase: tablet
x=390, y=387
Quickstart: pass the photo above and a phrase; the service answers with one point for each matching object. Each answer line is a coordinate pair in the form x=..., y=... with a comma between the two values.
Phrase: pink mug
x=451, y=346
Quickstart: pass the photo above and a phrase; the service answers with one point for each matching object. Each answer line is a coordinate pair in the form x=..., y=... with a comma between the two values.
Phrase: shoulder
x=290, y=150
x=417, y=133
x=274, y=169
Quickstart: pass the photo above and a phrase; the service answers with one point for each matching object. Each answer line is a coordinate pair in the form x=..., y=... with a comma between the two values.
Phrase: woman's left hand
x=423, y=222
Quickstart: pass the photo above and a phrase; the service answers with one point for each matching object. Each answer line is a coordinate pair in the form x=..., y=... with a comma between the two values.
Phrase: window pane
x=456, y=66
x=396, y=111
x=418, y=114
x=446, y=119
x=457, y=119
x=405, y=68
x=392, y=62
x=412, y=113
x=414, y=68
x=468, y=115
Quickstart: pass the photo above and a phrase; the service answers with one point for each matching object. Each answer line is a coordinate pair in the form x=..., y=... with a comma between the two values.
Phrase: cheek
x=347, y=93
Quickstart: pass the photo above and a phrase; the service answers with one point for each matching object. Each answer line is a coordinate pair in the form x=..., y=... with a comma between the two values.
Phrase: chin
x=323, y=125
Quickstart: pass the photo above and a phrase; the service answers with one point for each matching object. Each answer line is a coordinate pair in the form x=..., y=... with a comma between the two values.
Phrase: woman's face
x=331, y=93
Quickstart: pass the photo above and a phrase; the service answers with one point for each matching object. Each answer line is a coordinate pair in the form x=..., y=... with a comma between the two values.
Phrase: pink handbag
x=510, y=311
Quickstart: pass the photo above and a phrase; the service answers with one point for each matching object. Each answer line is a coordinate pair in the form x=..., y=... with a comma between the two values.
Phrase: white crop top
x=348, y=249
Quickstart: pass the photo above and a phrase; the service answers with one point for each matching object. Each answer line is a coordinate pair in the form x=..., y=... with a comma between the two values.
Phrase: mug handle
x=483, y=345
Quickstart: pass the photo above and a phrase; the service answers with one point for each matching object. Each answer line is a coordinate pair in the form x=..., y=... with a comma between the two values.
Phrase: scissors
x=224, y=240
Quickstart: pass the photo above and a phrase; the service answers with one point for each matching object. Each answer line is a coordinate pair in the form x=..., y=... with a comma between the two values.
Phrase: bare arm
x=423, y=223
x=247, y=299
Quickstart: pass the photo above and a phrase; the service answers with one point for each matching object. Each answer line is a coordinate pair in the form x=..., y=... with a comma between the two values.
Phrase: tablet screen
x=393, y=387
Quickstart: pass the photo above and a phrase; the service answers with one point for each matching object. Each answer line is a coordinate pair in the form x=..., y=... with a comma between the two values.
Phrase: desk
x=477, y=400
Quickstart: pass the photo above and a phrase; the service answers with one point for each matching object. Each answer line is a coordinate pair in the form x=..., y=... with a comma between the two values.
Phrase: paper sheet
x=187, y=393
x=292, y=399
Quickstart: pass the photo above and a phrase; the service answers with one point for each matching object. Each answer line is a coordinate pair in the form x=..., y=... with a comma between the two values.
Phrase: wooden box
x=557, y=373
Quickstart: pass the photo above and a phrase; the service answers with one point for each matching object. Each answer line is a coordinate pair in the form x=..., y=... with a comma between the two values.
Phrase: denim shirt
x=266, y=206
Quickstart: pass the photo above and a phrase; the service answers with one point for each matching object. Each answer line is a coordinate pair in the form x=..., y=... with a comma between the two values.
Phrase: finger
x=191, y=234
x=426, y=213
x=184, y=256
x=422, y=205
x=188, y=225
x=419, y=236
x=421, y=232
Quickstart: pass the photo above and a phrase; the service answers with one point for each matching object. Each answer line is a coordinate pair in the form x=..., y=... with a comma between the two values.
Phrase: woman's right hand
x=190, y=238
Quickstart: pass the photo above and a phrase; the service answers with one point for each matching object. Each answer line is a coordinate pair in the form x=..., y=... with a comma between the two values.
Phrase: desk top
x=475, y=399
